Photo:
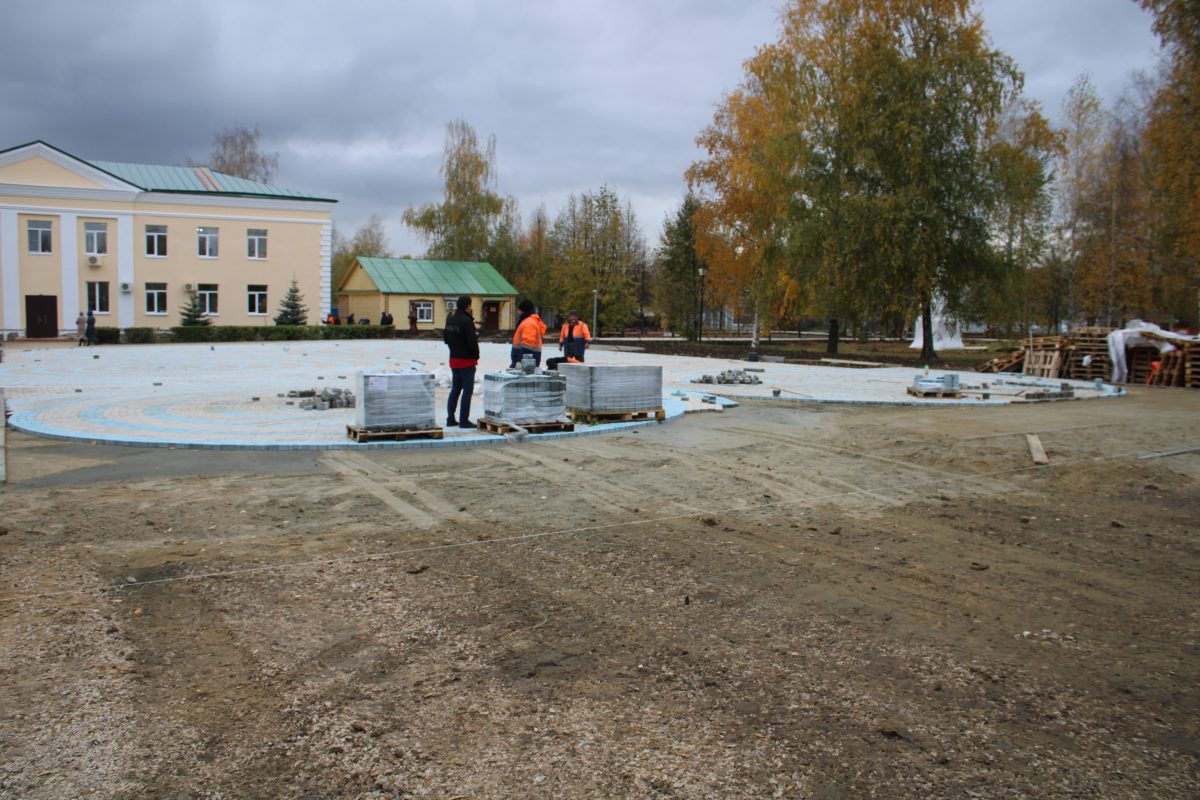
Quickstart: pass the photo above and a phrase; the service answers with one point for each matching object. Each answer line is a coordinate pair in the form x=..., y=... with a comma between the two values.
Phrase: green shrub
x=139, y=336
x=108, y=335
x=192, y=333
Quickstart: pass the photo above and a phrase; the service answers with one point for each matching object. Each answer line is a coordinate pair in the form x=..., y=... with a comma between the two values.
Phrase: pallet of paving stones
x=601, y=417
x=946, y=394
x=391, y=435
x=499, y=427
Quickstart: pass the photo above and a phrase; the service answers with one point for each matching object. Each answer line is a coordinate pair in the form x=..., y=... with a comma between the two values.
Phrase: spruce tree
x=190, y=313
x=291, y=308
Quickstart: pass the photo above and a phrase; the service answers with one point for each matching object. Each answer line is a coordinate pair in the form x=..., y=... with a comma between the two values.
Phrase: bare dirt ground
x=782, y=600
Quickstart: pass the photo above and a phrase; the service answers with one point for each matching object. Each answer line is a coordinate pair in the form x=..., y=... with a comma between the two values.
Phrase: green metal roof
x=155, y=178
x=419, y=276
x=182, y=180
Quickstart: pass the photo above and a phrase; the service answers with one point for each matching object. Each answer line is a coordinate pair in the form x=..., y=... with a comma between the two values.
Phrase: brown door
x=491, y=317
x=41, y=316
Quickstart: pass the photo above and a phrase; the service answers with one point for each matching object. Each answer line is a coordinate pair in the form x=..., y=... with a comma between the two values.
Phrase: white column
x=126, y=300
x=326, y=270
x=10, y=271
x=68, y=252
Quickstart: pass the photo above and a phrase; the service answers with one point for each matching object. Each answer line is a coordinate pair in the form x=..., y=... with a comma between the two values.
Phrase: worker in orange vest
x=574, y=337
x=527, y=338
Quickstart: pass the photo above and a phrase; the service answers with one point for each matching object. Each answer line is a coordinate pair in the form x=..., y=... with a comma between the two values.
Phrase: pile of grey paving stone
x=323, y=399
x=729, y=376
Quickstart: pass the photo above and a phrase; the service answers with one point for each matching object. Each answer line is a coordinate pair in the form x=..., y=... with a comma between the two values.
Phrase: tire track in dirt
x=363, y=475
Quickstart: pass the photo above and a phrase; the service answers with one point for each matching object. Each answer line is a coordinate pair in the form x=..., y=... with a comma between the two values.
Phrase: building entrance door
x=41, y=316
x=491, y=317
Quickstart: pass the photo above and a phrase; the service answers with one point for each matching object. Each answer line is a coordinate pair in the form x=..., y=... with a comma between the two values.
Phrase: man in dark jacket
x=460, y=336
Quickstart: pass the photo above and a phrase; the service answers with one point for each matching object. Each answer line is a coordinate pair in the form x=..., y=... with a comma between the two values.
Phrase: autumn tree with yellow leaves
x=856, y=169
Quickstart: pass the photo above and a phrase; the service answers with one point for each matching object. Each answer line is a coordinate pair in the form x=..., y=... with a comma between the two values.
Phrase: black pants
x=462, y=384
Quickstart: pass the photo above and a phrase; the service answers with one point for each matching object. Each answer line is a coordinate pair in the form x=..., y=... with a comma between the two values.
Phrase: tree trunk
x=831, y=344
x=927, y=353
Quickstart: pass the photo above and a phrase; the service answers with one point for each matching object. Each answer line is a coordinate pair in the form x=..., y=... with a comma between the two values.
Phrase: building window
x=256, y=242
x=97, y=296
x=206, y=242
x=208, y=298
x=256, y=299
x=95, y=238
x=424, y=309
x=451, y=305
x=156, y=298
x=40, y=236
x=156, y=240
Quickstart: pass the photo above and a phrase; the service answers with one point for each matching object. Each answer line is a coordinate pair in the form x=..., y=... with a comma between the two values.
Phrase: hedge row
x=243, y=333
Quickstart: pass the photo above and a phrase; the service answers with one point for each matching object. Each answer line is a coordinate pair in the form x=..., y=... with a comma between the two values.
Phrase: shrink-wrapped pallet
x=524, y=399
x=395, y=401
x=610, y=387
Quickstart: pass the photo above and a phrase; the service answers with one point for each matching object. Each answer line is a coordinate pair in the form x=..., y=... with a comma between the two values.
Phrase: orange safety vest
x=581, y=331
x=529, y=333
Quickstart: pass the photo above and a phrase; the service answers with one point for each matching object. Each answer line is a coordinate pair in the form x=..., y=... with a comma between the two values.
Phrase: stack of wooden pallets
x=1191, y=365
x=1141, y=360
x=1087, y=345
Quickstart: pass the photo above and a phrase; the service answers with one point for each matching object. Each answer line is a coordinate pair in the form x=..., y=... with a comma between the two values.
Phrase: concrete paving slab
x=201, y=395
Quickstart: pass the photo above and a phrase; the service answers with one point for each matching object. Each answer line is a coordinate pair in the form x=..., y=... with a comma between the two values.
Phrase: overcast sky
x=354, y=96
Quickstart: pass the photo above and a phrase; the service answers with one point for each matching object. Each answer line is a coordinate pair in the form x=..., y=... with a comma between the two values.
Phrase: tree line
x=876, y=160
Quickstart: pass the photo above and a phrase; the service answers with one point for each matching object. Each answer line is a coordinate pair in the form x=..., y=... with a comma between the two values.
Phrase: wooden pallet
x=952, y=394
x=1041, y=361
x=366, y=435
x=1170, y=371
x=489, y=425
x=601, y=417
x=1007, y=362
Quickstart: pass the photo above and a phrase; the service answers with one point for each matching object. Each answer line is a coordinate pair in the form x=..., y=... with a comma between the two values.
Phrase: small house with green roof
x=421, y=294
x=132, y=242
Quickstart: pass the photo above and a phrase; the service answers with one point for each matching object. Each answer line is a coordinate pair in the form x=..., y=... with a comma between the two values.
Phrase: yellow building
x=423, y=293
x=131, y=241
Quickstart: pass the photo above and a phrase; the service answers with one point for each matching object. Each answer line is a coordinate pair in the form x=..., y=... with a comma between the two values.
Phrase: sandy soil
x=778, y=601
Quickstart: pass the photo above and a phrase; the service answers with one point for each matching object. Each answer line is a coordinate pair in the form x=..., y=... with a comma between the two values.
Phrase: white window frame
x=158, y=235
x=451, y=305
x=256, y=292
x=44, y=239
x=424, y=309
x=95, y=238
x=208, y=241
x=256, y=244
x=97, y=291
x=209, y=299
x=158, y=291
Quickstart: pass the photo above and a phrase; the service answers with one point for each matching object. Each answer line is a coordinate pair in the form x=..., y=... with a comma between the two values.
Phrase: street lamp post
x=700, y=322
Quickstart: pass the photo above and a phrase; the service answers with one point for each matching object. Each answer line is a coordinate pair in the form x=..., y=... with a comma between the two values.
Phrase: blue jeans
x=462, y=383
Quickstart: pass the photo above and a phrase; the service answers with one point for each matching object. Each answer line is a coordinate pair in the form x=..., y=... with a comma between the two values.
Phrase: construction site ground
x=789, y=600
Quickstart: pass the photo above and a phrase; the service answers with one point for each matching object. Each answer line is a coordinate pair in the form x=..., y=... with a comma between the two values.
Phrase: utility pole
x=595, y=311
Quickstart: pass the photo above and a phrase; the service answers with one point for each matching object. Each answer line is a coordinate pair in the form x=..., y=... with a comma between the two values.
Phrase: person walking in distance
x=574, y=337
x=90, y=329
x=81, y=328
x=527, y=338
x=462, y=339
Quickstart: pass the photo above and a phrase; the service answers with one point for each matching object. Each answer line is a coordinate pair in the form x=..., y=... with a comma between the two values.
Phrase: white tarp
x=945, y=330
x=1131, y=336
